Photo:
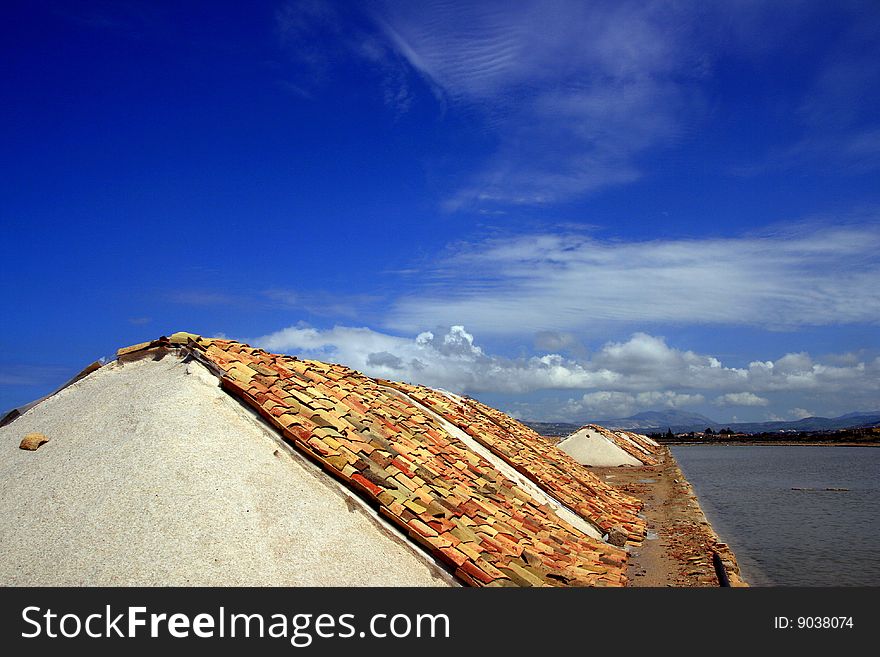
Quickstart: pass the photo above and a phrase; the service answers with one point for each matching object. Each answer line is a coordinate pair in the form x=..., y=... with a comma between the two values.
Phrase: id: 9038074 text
x=813, y=623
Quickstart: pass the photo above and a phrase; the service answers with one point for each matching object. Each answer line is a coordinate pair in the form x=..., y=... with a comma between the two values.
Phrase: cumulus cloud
x=616, y=404
x=807, y=275
x=790, y=415
x=557, y=341
x=446, y=358
x=619, y=378
x=740, y=399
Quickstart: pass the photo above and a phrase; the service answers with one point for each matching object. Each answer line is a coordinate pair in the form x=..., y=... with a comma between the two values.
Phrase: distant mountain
x=647, y=421
x=848, y=421
x=555, y=429
x=656, y=420
x=859, y=414
x=683, y=422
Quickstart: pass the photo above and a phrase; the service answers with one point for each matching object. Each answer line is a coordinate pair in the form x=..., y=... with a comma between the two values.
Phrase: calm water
x=784, y=537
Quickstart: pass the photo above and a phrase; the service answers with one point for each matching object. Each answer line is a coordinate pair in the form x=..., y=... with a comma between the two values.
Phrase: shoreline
x=680, y=548
x=766, y=443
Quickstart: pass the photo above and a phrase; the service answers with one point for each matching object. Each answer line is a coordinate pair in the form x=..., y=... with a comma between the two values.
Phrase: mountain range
x=684, y=421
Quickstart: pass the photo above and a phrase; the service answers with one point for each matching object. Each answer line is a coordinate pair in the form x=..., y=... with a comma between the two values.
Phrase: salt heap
x=601, y=447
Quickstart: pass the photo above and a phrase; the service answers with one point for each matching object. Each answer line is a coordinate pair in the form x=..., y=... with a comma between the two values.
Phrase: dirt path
x=680, y=543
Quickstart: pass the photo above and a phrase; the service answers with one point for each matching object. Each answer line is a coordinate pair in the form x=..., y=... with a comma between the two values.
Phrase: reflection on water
x=785, y=537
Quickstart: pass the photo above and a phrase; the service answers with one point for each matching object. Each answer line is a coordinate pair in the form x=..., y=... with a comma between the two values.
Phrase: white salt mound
x=155, y=476
x=589, y=447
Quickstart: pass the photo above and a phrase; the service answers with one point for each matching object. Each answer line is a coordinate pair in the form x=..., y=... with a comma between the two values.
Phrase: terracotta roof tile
x=651, y=446
x=545, y=464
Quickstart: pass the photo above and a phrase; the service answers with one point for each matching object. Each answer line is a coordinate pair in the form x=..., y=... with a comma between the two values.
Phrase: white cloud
x=556, y=341
x=619, y=378
x=616, y=404
x=740, y=399
x=447, y=359
x=799, y=413
x=575, y=283
x=791, y=415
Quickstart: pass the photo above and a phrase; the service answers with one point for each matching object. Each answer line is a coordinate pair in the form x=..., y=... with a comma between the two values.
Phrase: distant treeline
x=869, y=435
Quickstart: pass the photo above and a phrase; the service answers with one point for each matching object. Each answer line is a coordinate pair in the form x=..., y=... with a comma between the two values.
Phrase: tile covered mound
x=635, y=450
x=447, y=498
x=532, y=456
x=551, y=453
x=641, y=440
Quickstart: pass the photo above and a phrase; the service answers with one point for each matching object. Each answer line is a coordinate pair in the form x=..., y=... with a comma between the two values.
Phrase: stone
x=617, y=535
x=33, y=440
x=182, y=337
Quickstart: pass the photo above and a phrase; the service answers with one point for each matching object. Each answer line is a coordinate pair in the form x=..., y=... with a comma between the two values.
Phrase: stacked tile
x=447, y=498
x=550, y=453
x=545, y=464
x=642, y=441
x=627, y=445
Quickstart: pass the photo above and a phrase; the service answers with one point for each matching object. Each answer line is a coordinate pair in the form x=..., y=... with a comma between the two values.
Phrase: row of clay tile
x=643, y=441
x=608, y=505
x=446, y=497
x=545, y=464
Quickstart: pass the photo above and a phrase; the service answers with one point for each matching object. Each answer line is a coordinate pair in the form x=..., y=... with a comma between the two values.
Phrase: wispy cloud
x=32, y=375
x=206, y=298
x=320, y=303
x=837, y=97
x=817, y=275
x=132, y=18
x=574, y=92
x=301, y=26
x=317, y=35
x=837, y=118
x=574, y=97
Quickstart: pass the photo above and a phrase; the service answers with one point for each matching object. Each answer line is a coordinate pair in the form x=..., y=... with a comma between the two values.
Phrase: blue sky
x=569, y=210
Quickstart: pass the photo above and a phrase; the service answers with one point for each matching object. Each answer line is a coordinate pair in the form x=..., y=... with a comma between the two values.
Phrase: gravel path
x=678, y=550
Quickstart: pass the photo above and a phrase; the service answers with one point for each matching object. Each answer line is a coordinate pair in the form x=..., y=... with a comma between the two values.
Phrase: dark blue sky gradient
x=168, y=166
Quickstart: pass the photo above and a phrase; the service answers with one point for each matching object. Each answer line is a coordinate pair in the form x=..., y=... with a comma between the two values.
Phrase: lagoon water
x=785, y=537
